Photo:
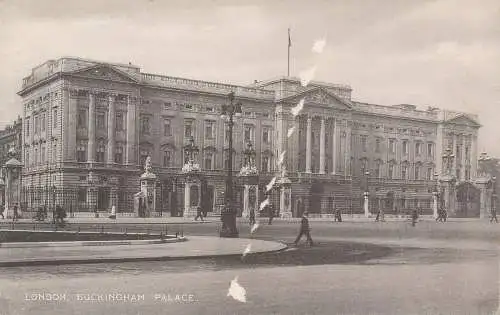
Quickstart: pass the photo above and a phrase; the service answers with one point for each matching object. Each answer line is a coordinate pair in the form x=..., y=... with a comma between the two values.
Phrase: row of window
x=101, y=120
x=39, y=156
x=39, y=122
x=419, y=146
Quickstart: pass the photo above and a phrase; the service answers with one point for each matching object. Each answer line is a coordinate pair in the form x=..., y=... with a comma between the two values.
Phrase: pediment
x=105, y=72
x=319, y=96
x=463, y=120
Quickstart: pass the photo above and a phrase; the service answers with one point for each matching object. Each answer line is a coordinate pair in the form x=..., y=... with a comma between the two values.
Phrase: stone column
x=455, y=153
x=366, y=206
x=131, y=131
x=189, y=212
x=91, y=127
x=334, y=146
x=111, y=129
x=285, y=201
x=348, y=149
x=473, y=156
x=464, y=158
x=308, y=145
x=435, y=204
x=322, y=147
x=449, y=195
x=246, y=202
x=485, y=197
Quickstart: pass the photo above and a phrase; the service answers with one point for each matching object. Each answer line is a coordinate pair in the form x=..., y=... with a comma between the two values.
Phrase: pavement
x=195, y=247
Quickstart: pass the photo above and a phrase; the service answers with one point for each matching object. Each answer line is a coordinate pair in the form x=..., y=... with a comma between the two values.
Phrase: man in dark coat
x=304, y=230
x=16, y=213
x=252, y=216
x=270, y=209
x=493, y=215
x=337, y=214
x=199, y=213
x=414, y=217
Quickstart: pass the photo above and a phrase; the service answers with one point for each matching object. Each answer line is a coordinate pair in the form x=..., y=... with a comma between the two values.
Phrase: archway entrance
x=468, y=201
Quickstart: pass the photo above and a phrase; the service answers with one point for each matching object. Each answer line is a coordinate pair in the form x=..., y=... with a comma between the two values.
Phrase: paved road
x=356, y=268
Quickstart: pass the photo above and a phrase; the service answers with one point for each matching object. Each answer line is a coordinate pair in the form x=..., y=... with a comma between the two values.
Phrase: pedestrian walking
x=337, y=215
x=305, y=229
x=252, y=216
x=414, y=217
x=16, y=214
x=199, y=213
x=493, y=215
x=271, y=214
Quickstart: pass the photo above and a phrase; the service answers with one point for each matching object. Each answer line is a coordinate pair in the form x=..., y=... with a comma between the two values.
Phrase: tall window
x=249, y=133
x=227, y=134
x=430, y=151
x=418, y=148
x=82, y=123
x=377, y=145
x=405, y=146
x=82, y=195
x=100, y=121
x=404, y=171
x=467, y=173
x=392, y=146
x=458, y=154
x=364, y=140
x=364, y=166
x=36, y=125
x=417, y=172
x=377, y=169
x=119, y=121
x=119, y=154
x=209, y=129
x=265, y=164
x=54, y=119
x=81, y=152
x=100, y=152
x=208, y=161
x=42, y=155
x=467, y=153
x=390, y=171
x=188, y=128
x=27, y=122
x=167, y=128
x=167, y=158
x=145, y=126
x=35, y=162
x=42, y=124
x=429, y=175
x=27, y=158
x=266, y=135
x=54, y=153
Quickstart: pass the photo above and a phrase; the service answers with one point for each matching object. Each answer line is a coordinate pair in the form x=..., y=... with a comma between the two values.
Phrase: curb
x=90, y=243
x=34, y=262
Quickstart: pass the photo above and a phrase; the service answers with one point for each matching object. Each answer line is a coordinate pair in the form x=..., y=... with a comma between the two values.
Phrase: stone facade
x=82, y=116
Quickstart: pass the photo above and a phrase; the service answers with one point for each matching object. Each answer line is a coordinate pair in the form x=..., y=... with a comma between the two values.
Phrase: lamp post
x=190, y=169
x=366, y=194
x=228, y=213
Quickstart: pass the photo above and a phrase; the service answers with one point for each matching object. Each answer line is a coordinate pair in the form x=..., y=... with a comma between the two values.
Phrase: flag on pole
x=289, y=39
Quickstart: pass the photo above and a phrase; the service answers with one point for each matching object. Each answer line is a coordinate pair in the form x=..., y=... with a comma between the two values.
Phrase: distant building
x=11, y=140
x=90, y=125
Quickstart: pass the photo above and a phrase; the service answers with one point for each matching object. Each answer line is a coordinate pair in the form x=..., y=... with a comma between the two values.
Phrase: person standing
x=271, y=214
x=414, y=217
x=338, y=215
x=493, y=215
x=305, y=229
x=199, y=213
x=16, y=215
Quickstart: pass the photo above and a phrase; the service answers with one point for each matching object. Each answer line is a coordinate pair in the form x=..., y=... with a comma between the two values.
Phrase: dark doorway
x=316, y=193
x=103, y=198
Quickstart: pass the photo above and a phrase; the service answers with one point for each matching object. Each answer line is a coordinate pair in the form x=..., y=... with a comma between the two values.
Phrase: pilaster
x=308, y=145
x=131, y=157
x=91, y=129
x=111, y=129
x=322, y=147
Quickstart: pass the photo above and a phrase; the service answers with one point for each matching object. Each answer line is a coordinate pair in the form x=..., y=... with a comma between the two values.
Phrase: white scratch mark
x=254, y=227
x=307, y=75
x=247, y=250
x=264, y=203
x=290, y=132
x=298, y=108
x=281, y=158
x=319, y=45
x=236, y=291
x=271, y=184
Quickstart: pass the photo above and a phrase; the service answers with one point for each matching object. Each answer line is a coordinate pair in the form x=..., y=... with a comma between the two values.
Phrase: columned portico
x=111, y=128
x=91, y=127
x=308, y=145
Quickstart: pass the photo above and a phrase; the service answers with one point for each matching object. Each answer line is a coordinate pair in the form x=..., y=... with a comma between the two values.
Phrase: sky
x=443, y=53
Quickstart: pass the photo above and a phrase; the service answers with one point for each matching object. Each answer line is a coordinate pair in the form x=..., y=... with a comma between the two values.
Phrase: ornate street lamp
x=190, y=151
x=483, y=161
x=228, y=213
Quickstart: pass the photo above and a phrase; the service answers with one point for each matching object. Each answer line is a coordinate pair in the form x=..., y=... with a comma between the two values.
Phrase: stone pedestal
x=250, y=199
x=449, y=194
x=485, y=187
x=435, y=205
x=286, y=201
x=190, y=211
x=366, y=204
x=147, y=195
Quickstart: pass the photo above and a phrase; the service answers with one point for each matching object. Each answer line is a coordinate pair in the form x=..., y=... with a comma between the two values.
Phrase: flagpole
x=288, y=63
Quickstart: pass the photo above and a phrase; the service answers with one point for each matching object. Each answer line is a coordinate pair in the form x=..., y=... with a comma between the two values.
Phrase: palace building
x=88, y=127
